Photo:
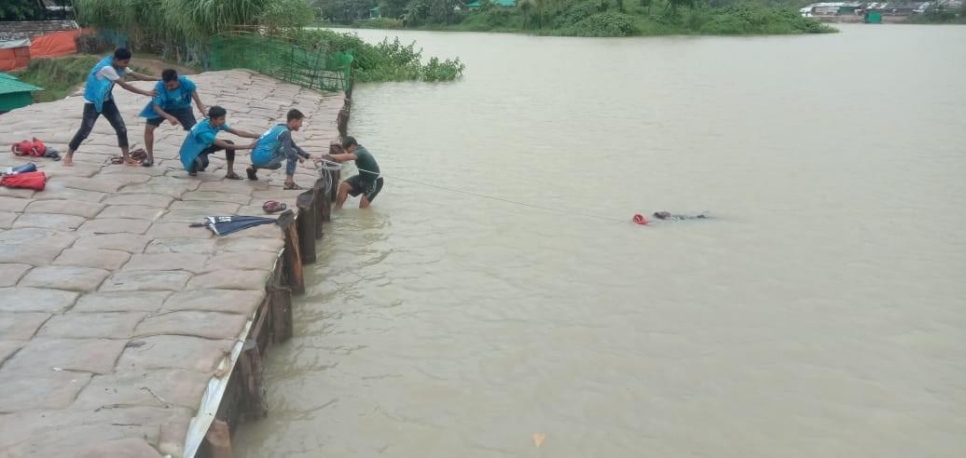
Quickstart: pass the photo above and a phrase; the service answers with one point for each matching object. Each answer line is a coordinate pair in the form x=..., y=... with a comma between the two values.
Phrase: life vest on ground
x=32, y=148
x=29, y=180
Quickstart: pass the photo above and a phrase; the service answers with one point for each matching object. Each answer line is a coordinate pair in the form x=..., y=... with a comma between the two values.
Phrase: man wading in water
x=98, y=100
x=367, y=182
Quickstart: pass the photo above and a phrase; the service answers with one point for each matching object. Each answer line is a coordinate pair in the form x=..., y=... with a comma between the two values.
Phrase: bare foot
x=68, y=161
x=131, y=162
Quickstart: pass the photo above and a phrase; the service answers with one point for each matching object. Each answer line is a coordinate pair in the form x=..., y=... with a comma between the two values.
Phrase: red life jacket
x=29, y=180
x=34, y=148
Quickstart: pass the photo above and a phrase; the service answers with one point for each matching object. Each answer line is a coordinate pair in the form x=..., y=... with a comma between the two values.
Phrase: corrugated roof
x=9, y=84
x=15, y=30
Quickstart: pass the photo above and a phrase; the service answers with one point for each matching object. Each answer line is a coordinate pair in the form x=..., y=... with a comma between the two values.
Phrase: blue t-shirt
x=173, y=99
x=268, y=143
x=201, y=136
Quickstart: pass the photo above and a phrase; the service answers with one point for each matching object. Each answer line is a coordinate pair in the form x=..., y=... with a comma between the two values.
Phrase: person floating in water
x=663, y=215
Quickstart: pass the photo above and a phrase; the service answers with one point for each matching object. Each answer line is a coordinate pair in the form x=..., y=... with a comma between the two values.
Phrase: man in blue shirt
x=275, y=146
x=201, y=141
x=98, y=101
x=173, y=103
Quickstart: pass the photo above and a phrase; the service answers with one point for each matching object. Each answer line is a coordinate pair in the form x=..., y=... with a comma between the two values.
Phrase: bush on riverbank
x=603, y=18
x=385, y=61
x=183, y=30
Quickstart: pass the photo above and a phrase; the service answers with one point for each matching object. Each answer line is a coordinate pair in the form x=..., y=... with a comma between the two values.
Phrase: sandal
x=119, y=160
x=273, y=206
x=232, y=176
x=292, y=187
x=251, y=174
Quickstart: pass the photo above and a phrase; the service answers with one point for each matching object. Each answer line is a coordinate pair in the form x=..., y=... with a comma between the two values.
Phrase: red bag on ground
x=30, y=180
x=35, y=148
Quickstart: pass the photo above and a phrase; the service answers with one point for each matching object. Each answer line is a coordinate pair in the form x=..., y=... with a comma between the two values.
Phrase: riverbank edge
x=238, y=395
x=551, y=33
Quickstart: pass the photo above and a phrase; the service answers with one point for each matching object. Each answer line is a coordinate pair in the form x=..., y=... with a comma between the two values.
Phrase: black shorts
x=184, y=115
x=360, y=186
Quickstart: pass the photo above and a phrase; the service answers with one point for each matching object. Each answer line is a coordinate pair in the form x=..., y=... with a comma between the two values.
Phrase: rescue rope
x=483, y=196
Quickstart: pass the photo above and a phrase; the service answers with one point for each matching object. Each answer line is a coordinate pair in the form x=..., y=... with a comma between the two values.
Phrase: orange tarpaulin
x=11, y=59
x=14, y=54
x=54, y=44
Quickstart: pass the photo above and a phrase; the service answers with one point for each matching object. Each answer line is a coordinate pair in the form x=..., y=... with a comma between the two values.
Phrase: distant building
x=857, y=8
x=475, y=4
x=18, y=30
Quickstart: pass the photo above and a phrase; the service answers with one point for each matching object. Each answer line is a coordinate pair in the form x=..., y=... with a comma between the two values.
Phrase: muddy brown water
x=822, y=312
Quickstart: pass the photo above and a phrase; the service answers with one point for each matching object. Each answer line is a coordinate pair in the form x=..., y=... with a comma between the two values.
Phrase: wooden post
x=320, y=204
x=250, y=365
x=336, y=178
x=281, y=310
x=218, y=439
x=306, y=226
x=293, y=259
x=342, y=121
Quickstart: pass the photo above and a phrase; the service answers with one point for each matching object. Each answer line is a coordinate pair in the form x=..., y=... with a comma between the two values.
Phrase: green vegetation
x=583, y=18
x=184, y=30
x=24, y=10
x=941, y=14
x=386, y=61
x=30, y=10
x=59, y=77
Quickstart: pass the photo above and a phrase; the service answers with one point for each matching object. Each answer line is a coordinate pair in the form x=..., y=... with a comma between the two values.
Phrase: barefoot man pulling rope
x=98, y=100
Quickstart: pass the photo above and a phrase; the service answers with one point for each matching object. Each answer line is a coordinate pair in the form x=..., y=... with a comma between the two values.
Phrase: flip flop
x=233, y=176
x=273, y=206
x=147, y=163
x=292, y=187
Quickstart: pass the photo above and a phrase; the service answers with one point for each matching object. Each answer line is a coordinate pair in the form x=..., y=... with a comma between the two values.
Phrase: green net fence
x=314, y=69
x=310, y=65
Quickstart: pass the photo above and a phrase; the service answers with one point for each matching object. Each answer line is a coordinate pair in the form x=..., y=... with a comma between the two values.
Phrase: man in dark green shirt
x=368, y=183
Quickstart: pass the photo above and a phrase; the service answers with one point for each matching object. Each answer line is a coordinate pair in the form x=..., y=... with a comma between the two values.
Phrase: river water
x=821, y=312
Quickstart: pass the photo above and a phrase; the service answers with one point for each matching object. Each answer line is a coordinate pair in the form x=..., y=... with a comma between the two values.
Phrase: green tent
x=15, y=93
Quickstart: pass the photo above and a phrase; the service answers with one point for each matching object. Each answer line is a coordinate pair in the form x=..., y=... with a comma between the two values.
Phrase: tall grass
x=183, y=29
x=59, y=77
